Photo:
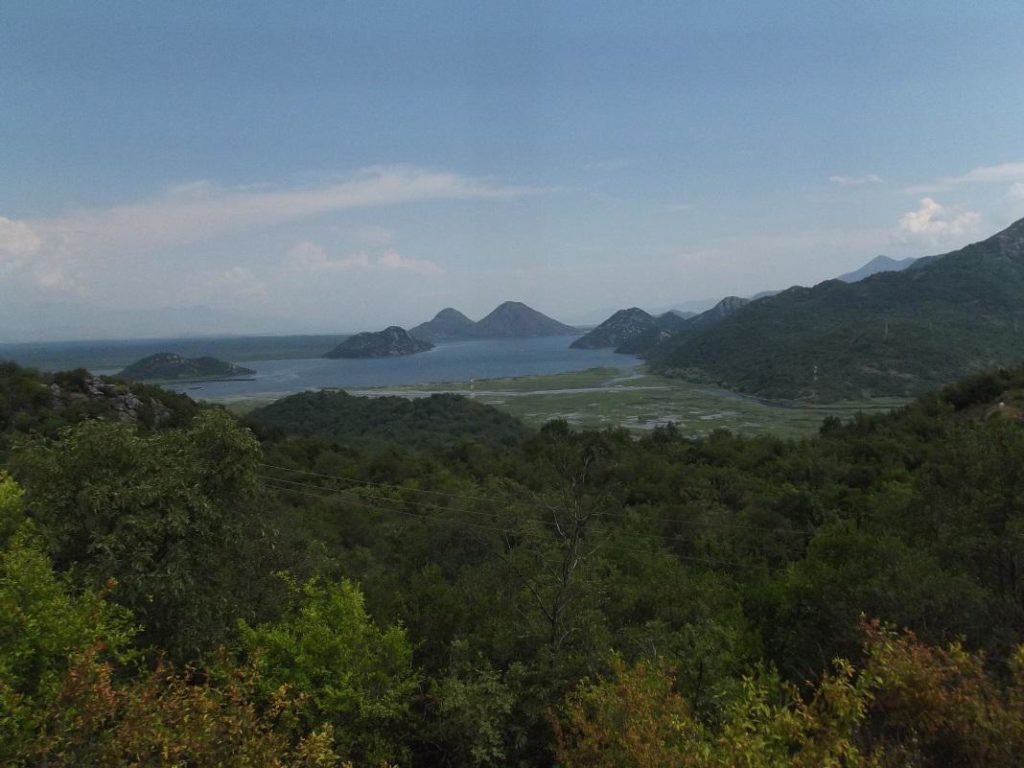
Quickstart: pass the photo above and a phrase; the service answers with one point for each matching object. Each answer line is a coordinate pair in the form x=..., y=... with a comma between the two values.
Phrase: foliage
x=584, y=597
x=911, y=705
x=172, y=517
x=894, y=333
x=42, y=626
x=166, y=717
x=437, y=422
x=350, y=673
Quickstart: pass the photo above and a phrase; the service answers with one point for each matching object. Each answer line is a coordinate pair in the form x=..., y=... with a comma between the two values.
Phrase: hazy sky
x=347, y=165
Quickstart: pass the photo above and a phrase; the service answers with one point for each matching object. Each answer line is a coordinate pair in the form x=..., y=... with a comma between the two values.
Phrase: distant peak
x=1015, y=231
x=449, y=312
x=881, y=259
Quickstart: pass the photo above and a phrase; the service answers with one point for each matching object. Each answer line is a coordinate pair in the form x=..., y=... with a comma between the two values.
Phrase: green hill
x=625, y=325
x=435, y=423
x=167, y=366
x=894, y=333
x=391, y=342
x=447, y=324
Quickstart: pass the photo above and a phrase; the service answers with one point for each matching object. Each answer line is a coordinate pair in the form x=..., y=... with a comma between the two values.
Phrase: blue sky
x=345, y=165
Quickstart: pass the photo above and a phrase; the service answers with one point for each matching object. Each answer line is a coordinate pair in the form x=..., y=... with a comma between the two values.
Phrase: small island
x=391, y=342
x=167, y=366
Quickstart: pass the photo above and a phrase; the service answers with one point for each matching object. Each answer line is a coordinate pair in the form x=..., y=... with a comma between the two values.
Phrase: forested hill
x=437, y=422
x=187, y=592
x=168, y=366
x=893, y=333
x=32, y=402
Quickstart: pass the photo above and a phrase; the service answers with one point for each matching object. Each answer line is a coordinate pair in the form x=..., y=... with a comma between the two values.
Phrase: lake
x=280, y=372
x=453, y=361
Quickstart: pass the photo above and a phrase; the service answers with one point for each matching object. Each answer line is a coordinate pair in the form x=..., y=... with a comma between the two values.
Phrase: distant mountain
x=674, y=320
x=391, y=342
x=680, y=313
x=167, y=366
x=727, y=307
x=634, y=331
x=875, y=266
x=513, y=319
x=893, y=333
x=623, y=326
x=447, y=324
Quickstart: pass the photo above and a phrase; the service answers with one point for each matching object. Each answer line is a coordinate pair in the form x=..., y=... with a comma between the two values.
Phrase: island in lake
x=168, y=366
x=391, y=342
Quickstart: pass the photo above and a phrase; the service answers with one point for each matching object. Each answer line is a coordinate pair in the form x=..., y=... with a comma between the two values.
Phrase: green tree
x=351, y=674
x=173, y=517
x=43, y=625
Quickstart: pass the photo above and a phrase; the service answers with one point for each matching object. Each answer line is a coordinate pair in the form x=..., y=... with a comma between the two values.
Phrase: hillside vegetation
x=393, y=341
x=168, y=366
x=437, y=422
x=367, y=583
x=893, y=333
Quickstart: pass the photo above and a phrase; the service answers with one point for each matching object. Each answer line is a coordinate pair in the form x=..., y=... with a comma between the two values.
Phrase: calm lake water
x=455, y=361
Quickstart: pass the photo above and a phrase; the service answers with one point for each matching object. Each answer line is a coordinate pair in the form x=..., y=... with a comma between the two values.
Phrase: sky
x=342, y=166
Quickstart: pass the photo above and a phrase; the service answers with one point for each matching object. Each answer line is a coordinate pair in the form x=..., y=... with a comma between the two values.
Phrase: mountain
x=391, y=342
x=673, y=320
x=633, y=331
x=447, y=324
x=876, y=265
x=623, y=326
x=727, y=307
x=893, y=333
x=679, y=313
x=513, y=319
x=167, y=366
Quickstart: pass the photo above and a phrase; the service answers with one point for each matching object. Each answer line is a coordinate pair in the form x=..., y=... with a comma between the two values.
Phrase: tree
x=43, y=626
x=350, y=673
x=172, y=517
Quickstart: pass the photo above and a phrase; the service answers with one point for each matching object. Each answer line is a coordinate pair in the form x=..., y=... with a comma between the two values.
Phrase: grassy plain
x=606, y=397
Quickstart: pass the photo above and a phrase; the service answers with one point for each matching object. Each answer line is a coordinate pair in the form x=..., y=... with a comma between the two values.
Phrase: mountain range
x=510, y=319
x=634, y=331
x=892, y=333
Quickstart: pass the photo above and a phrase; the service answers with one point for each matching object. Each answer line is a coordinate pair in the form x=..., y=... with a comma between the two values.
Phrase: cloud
x=393, y=261
x=856, y=181
x=934, y=221
x=1016, y=191
x=308, y=257
x=1000, y=173
x=54, y=278
x=21, y=249
x=18, y=241
x=197, y=211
